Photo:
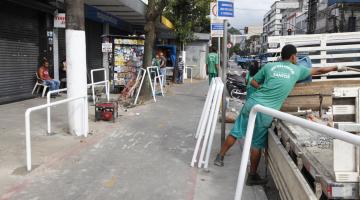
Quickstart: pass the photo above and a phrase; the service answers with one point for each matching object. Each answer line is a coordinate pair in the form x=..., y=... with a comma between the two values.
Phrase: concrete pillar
x=76, y=66
x=106, y=63
x=56, y=53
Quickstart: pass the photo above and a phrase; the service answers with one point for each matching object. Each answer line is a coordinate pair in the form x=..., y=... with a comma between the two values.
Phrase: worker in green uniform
x=253, y=69
x=212, y=64
x=273, y=82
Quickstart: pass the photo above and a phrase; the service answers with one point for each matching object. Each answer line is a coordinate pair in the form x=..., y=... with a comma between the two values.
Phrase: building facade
x=331, y=16
x=28, y=35
x=272, y=21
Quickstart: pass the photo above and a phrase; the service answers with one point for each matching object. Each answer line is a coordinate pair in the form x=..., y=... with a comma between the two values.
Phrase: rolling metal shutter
x=19, y=51
x=94, y=54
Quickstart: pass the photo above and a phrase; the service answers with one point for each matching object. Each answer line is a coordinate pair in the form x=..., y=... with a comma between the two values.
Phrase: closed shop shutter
x=94, y=54
x=19, y=51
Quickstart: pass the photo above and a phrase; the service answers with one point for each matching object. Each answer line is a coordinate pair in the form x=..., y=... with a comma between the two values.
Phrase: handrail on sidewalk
x=106, y=81
x=332, y=132
x=48, y=100
x=27, y=123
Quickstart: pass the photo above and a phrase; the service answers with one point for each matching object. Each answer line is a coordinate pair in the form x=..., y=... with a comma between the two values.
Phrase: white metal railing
x=329, y=55
x=48, y=100
x=27, y=123
x=332, y=132
x=106, y=83
x=207, y=124
x=158, y=76
x=143, y=72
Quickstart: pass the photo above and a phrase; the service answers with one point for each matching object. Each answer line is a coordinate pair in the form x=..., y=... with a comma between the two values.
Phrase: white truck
x=305, y=164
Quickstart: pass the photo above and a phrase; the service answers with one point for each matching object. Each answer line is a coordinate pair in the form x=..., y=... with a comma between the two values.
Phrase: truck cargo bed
x=312, y=153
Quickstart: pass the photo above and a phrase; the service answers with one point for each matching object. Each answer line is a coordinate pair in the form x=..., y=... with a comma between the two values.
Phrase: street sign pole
x=224, y=66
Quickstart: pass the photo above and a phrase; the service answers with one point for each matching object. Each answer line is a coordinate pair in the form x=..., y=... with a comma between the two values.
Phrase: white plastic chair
x=38, y=84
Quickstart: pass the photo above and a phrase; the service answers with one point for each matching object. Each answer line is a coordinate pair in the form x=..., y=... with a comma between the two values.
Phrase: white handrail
x=27, y=123
x=151, y=84
x=332, y=132
x=141, y=83
x=105, y=81
x=63, y=90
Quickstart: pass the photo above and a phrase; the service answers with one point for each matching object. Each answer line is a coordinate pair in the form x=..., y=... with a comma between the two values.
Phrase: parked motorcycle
x=235, y=85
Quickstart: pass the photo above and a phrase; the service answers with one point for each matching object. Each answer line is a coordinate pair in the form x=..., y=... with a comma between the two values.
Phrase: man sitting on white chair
x=43, y=73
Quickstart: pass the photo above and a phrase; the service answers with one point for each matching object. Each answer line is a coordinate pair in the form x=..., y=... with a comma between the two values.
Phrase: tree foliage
x=234, y=31
x=188, y=16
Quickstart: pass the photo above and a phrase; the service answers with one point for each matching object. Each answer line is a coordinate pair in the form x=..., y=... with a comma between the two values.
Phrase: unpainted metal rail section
x=332, y=132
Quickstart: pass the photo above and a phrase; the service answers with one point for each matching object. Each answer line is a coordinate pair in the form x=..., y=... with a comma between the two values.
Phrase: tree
x=234, y=31
x=153, y=12
x=188, y=16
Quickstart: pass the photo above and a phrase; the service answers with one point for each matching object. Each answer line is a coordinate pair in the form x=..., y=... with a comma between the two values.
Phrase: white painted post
x=208, y=106
x=205, y=121
x=142, y=81
x=56, y=54
x=213, y=126
x=49, y=108
x=205, y=110
x=210, y=122
x=76, y=79
x=151, y=85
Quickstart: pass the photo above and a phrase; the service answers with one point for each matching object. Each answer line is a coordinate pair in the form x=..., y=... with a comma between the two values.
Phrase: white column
x=106, y=63
x=56, y=53
x=76, y=80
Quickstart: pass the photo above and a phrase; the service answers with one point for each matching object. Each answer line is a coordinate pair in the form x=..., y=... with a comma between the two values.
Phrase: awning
x=130, y=11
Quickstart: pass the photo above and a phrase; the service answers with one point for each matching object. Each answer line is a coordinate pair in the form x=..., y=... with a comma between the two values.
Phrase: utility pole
x=76, y=66
x=224, y=66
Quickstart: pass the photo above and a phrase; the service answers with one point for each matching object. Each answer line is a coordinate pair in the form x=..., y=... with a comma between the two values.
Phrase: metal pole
x=224, y=65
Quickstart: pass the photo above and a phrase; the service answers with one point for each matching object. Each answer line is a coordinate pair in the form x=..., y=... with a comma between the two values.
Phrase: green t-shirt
x=212, y=60
x=277, y=81
x=249, y=88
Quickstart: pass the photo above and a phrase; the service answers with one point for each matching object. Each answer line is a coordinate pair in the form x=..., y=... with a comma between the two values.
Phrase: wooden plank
x=306, y=95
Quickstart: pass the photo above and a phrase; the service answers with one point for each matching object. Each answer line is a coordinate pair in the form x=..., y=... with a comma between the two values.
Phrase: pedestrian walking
x=212, y=64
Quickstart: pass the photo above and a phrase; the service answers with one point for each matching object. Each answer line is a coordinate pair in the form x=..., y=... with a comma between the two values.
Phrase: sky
x=250, y=12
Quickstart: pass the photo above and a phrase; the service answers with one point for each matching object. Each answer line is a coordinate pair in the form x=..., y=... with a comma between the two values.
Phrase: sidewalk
x=146, y=154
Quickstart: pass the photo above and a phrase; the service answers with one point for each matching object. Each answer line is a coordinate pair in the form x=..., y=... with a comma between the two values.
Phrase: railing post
x=27, y=140
x=245, y=154
x=48, y=114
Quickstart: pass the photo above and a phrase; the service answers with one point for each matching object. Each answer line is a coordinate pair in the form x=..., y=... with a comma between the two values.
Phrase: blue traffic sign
x=217, y=26
x=225, y=9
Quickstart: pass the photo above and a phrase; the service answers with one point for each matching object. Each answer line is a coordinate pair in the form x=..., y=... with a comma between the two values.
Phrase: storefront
x=23, y=44
x=97, y=23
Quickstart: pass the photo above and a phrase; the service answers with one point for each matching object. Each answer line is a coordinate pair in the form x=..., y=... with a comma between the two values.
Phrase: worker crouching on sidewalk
x=273, y=84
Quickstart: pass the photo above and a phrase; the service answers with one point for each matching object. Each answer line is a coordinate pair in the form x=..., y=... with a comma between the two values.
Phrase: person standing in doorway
x=43, y=73
x=62, y=74
x=163, y=67
x=212, y=64
x=273, y=84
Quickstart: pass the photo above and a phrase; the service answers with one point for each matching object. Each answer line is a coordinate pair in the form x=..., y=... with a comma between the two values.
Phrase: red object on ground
x=106, y=111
